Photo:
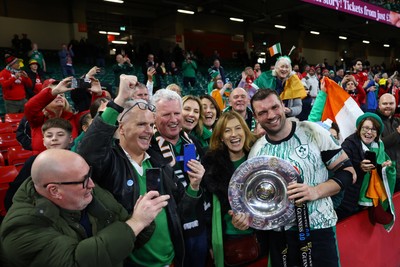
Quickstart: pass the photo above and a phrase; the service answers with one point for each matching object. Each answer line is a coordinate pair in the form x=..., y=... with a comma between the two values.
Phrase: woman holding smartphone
x=361, y=148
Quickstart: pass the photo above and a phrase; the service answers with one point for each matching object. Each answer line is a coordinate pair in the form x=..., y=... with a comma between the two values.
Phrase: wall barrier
x=363, y=244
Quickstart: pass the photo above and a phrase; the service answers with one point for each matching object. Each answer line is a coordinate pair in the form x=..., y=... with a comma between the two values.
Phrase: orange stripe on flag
x=333, y=104
x=341, y=108
x=271, y=51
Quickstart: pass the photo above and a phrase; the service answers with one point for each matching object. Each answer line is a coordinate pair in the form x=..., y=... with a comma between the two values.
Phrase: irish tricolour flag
x=275, y=49
x=341, y=108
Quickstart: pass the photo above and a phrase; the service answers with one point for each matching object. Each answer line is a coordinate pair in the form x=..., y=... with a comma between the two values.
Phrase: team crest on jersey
x=302, y=151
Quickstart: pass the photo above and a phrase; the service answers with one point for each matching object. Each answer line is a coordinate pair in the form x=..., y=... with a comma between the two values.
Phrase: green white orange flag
x=275, y=49
x=341, y=108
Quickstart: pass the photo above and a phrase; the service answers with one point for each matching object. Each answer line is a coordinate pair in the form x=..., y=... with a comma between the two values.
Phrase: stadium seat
x=7, y=140
x=2, y=162
x=17, y=156
x=7, y=175
x=6, y=127
x=14, y=119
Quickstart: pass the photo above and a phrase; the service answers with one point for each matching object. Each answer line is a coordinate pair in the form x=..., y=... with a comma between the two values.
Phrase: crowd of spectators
x=99, y=205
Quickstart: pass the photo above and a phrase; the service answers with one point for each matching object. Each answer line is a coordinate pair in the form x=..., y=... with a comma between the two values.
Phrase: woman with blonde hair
x=229, y=147
x=51, y=103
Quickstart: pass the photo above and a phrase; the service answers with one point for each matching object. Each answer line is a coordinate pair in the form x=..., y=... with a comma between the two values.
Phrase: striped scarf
x=167, y=150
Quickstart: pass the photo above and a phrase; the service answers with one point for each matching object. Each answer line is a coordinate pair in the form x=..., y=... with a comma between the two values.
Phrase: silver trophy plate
x=259, y=187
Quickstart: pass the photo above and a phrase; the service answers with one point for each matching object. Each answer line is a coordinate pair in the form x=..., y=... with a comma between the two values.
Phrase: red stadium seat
x=6, y=127
x=17, y=156
x=2, y=162
x=7, y=175
x=7, y=140
x=14, y=119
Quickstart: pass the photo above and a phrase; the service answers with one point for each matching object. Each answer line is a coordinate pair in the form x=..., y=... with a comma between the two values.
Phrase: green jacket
x=36, y=232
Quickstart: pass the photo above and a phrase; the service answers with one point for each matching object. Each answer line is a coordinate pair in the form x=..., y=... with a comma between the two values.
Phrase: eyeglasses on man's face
x=84, y=182
x=367, y=129
x=142, y=106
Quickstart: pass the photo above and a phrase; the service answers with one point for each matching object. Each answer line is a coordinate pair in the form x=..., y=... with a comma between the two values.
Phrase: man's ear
x=121, y=129
x=71, y=139
x=53, y=191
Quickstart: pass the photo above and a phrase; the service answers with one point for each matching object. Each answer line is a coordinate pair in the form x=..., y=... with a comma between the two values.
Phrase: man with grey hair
x=123, y=167
x=170, y=140
x=61, y=218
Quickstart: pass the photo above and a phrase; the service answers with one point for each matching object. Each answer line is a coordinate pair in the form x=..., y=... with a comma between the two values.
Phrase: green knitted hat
x=370, y=115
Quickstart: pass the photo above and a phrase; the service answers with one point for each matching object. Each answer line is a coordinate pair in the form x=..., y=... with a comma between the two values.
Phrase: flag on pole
x=275, y=49
x=341, y=108
x=291, y=50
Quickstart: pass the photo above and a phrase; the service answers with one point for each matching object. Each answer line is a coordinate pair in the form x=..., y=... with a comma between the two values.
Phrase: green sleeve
x=110, y=116
x=318, y=107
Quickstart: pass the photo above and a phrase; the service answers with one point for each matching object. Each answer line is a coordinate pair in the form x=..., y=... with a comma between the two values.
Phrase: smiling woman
x=193, y=119
x=229, y=147
x=286, y=83
x=365, y=140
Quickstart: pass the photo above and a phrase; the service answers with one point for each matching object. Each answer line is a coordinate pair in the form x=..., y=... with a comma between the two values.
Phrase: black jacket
x=391, y=139
x=112, y=170
x=199, y=211
x=353, y=148
x=219, y=170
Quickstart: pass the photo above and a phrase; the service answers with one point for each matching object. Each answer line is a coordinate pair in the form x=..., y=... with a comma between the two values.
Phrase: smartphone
x=153, y=180
x=371, y=156
x=189, y=152
x=80, y=83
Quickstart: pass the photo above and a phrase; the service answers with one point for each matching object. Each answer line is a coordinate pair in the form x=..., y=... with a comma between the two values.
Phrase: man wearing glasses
x=60, y=218
x=122, y=167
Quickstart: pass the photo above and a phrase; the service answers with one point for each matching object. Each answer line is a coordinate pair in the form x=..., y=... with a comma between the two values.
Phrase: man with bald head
x=61, y=218
x=239, y=101
x=391, y=132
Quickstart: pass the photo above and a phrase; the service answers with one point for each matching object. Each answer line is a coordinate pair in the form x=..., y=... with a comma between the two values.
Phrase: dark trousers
x=324, y=251
x=196, y=250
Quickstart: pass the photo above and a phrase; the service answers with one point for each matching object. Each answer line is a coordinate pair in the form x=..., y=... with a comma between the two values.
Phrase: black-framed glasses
x=142, y=106
x=84, y=182
x=367, y=129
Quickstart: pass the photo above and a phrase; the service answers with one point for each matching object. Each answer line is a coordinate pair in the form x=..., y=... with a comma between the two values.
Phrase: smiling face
x=190, y=115
x=56, y=138
x=57, y=103
x=169, y=119
x=270, y=114
x=136, y=130
x=350, y=86
x=239, y=100
x=387, y=105
x=283, y=69
x=234, y=137
x=209, y=113
x=368, y=132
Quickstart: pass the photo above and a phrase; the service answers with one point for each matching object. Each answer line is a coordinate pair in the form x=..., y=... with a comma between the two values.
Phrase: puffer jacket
x=113, y=171
x=36, y=232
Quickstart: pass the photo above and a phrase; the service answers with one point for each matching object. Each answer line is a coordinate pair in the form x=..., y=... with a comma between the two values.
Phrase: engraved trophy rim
x=259, y=187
